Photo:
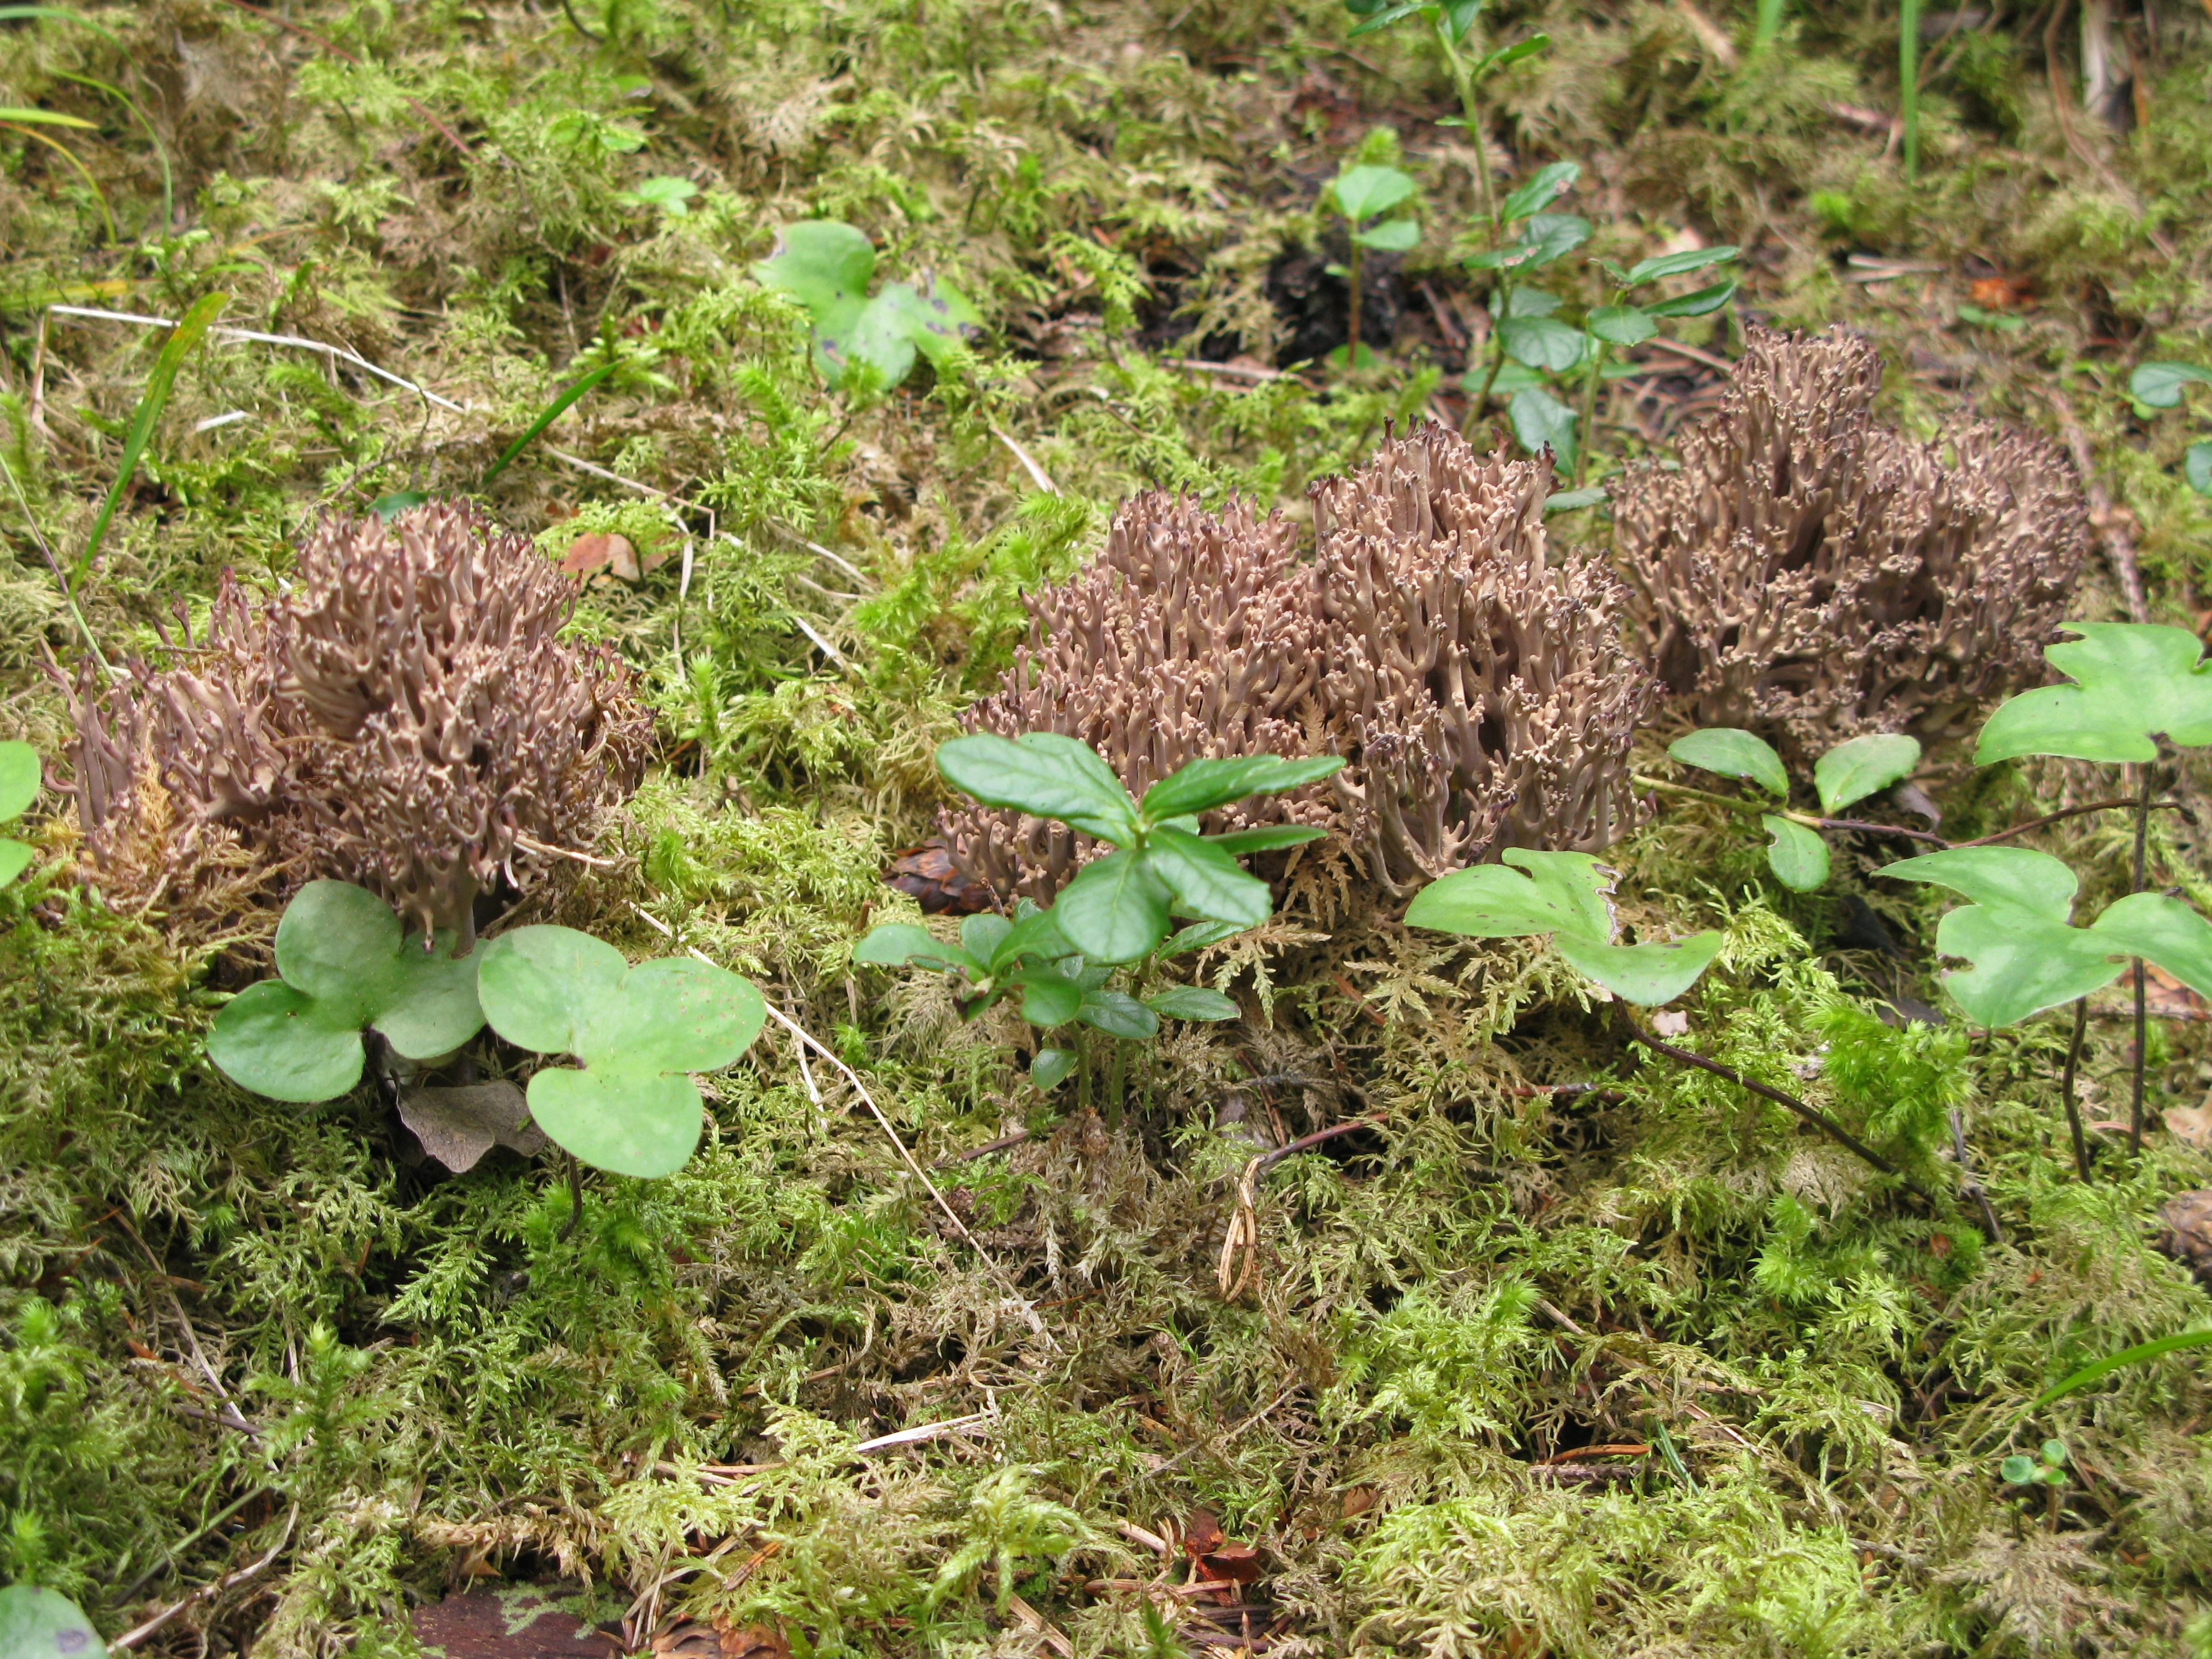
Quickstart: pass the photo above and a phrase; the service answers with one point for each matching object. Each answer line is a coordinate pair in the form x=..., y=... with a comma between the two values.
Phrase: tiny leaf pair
x=19, y=788
x=1848, y=773
x=827, y=266
x=1363, y=193
x=2026, y=954
x=1565, y=895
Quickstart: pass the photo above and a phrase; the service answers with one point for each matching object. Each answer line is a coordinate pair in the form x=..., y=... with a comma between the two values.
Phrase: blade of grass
x=2098, y=1369
x=160, y=151
x=186, y=335
x=65, y=153
x=1908, y=77
x=552, y=412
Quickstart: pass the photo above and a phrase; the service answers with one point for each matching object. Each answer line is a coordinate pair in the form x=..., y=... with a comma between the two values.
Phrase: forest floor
x=270, y=1373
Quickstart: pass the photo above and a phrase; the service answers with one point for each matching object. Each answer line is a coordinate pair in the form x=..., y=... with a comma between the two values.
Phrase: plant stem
x=1352, y=349
x=1470, y=108
x=1588, y=425
x=575, y=1199
x=2135, y=1108
x=1908, y=78
x=2066, y=1089
x=2070, y=813
x=1768, y=27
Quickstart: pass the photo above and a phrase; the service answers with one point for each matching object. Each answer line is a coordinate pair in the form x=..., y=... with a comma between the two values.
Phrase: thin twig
x=1038, y=476
x=2070, y=813
x=549, y=851
x=1970, y=1182
x=1820, y=1120
x=984, y=1150
x=2066, y=1089
x=575, y=1199
x=230, y=1415
x=1227, y=1435
x=1661, y=343
x=131, y=1639
x=2136, y=1111
x=1269, y=1159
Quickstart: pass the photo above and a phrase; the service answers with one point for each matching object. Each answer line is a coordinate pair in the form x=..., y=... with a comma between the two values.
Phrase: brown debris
x=926, y=875
x=2188, y=1217
x=1477, y=690
x=1808, y=571
x=407, y=719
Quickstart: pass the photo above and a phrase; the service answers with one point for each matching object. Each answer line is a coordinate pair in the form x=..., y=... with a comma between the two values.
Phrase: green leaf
x=1119, y=1015
x=342, y=964
x=1035, y=933
x=2160, y=384
x=2019, y=1471
x=42, y=1624
x=1570, y=501
x=14, y=858
x=1116, y=909
x=1203, y=785
x=1266, y=839
x=1044, y=775
x=1206, y=882
x=1197, y=937
x=671, y=195
x=552, y=412
x=1798, y=857
x=1851, y=771
x=1541, y=421
x=821, y=263
x=896, y=944
x=1049, y=997
x=19, y=777
x=2197, y=467
x=1460, y=15
x=1696, y=304
x=1383, y=19
x=1543, y=186
x=43, y=117
x=982, y=935
x=1362, y=192
x=1544, y=238
x=1733, y=753
x=2097, y=1370
x=630, y=1109
x=2054, y=1453
x=1542, y=342
x=2014, y=933
x=1562, y=894
x=388, y=507
x=1623, y=326
x=2132, y=681
x=1391, y=236
x=1674, y=264
x=1506, y=57
x=2161, y=930
x=1050, y=1067
x=1192, y=1002
x=938, y=318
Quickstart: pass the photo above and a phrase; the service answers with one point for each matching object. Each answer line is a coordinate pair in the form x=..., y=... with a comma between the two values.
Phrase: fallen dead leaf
x=2000, y=293
x=458, y=1125
x=926, y=874
x=601, y=551
x=1670, y=1023
x=2192, y=1124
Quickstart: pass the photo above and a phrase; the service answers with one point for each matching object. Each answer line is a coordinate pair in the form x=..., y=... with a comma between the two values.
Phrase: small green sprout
x=859, y=340
x=1847, y=774
x=2047, y=1469
x=1363, y=194
x=19, y=788
x=2159, y=385
x=670, y=195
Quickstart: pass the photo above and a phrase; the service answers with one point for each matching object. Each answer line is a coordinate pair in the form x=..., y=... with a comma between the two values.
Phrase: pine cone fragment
x=1810, y=571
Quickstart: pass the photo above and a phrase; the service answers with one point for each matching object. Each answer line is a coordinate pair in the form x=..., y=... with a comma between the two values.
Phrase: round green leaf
x=1050, y=1067
x=1362, y=192
x=281, y=1043
x=2025, y=958
x=19, y=779
x=820, y=263
x=14, y=858
x=1851, y=771
x=2018, y=1471
x=1624, y=325
x=1116, y=909
x=1733, y=753
x=895, y=944
x=1541, y=422
x=43, y=1623
x=937, y=318
x=673, y=1014
x=2161, y=930
x=1192, y=1002
x=536, y=983
x=1798, y=857
x=2132, y=681
x=626, y=1122
x=1542, y=342
x=1391, y=236
x=2160, y=384
x=1049, y=997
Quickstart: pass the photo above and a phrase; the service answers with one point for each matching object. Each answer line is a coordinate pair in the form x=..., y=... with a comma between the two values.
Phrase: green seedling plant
x=343, y=966
x=1846, y=774
x=1621, y=322
x=2131, y=684
x=2160, y=386
x=2046, y=1469
x=36, y=1623
x=1118, y=909
x=864, y=341
x=19, y=788
x=1363, y=195
x=629, y=1105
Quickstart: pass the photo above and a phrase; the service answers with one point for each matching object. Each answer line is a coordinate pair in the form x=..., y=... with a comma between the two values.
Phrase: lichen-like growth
x=407, y=718
x=1808, y=571
x=1478, y=692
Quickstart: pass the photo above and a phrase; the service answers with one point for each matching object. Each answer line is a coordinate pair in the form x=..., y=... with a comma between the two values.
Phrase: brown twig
x=984, y=1150
x=131, y=1639
x=2053, y=818
x=1972, y=1183
x=2066, y=1089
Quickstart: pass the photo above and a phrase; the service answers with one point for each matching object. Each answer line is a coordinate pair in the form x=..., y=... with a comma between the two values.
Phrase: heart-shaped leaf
x=1851, y=771
x=2160, y=384
x=2133, y=681
x=42, y=1624
x=1562, y=894
x=638, y=1030
x=1045, y=775
x=342, y=964
x=19, y=779
x=1798, y=857
x=1733, y=753
x=2197, y=467
x=820, y=264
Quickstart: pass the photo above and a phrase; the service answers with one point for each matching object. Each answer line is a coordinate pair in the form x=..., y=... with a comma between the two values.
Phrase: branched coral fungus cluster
x=407, y=719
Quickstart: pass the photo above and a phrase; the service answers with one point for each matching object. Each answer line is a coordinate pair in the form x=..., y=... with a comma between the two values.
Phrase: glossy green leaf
x=1541, y=422
x=936, y=318
x=1570, y=501
x=1391, y=236
x=1206, y=882
x=1116, y=909
x=980, y=935
x=629, y=1108
x=1042, y=774
x=1522, y=301
x=2020, y=1471
x=1543, y=186
x=1049, y=997
x=1203, y=785
x=1851, y=771
x=1676, y=265
x=1698, y=303
x=1266, y=838
x=342, y=964
x=1625, y=325
x=2132, y=681
x=1050, y=1068
x=1733, y=753
x=1361, y=193
x=896, y=944
x=2197, y=467
x=1542, y=342
x=1506, y=57
x=1798, y=857
x=36, y=1623
x=1387, y=15
x=1197, y=937
x=2160, y=384
x=19, y=779
x=1562, y=894
x=1119, y=1015
x=1036, y=934
x=1192, y=1002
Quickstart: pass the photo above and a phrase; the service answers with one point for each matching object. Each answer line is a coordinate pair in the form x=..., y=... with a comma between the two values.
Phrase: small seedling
x=343, y=965
x=1849, y=772
x=1564, y=895
x=671, y=196
x=629, y=1107
x=827, y=267
x=1363, y=194
x=2047, y=1469
x=19, y=788
x=1619, y=323
x=2159, y=385
x=43, y=1623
